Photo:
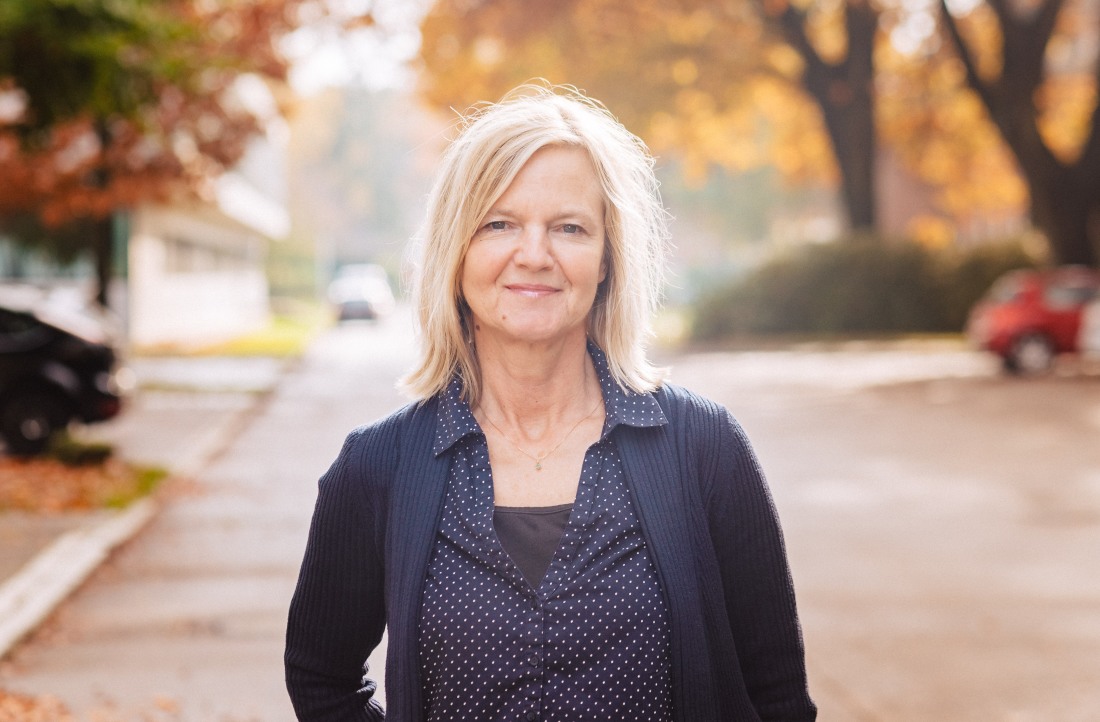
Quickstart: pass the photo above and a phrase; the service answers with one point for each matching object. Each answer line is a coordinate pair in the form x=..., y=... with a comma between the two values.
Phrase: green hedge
x=856, y=286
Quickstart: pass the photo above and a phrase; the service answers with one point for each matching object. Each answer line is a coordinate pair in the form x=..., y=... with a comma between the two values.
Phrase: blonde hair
x=495, y=142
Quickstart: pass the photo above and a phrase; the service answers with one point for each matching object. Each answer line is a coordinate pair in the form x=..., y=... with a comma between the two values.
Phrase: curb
x=29, y=596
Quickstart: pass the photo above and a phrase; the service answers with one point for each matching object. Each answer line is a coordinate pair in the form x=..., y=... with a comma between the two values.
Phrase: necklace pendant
x=538, y=464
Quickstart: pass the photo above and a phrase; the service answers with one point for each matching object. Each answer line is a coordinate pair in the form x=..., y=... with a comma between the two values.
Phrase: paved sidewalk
x=184, y=414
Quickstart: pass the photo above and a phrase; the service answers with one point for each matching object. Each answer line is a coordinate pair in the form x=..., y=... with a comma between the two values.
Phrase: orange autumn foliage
x=187, y=129
x=717, y=83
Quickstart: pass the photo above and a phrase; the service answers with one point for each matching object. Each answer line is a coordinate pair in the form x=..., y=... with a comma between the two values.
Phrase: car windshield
x=63, y=311
x=1069, y=295
x=1007, y=289
x=20, y=332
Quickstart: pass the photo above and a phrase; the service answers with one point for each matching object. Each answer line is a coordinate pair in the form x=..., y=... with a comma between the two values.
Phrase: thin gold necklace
x=539, y=459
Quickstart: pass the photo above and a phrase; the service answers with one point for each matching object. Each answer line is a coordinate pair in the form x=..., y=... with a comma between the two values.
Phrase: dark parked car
x=54, y=369
x=1028, y=317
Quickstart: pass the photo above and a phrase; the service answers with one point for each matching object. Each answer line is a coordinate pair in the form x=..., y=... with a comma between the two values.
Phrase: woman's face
x=532, y=268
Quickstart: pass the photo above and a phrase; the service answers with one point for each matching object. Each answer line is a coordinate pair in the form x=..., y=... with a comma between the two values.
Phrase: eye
x=495, y=226
x=570, y=228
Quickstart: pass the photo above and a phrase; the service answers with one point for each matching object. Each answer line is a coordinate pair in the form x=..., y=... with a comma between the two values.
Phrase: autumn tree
x=1023, y=62
x=106, y=105
x=839, y=74
x=716, y=81
x=939, y=131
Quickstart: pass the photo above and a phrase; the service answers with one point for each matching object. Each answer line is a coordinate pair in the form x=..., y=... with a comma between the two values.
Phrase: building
x=189, y=273
x=196, y=271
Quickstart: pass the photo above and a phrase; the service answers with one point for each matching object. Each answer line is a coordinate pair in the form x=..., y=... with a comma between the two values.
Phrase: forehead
x=555, y=172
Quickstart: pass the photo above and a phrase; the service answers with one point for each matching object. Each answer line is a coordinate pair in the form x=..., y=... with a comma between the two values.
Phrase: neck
x=532, y=389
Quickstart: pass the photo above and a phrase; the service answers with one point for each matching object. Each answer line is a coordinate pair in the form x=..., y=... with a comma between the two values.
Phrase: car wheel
x=28, y=420
x=1031, y=353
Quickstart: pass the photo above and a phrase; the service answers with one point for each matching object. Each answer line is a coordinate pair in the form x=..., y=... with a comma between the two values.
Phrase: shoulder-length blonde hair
x=495, y=142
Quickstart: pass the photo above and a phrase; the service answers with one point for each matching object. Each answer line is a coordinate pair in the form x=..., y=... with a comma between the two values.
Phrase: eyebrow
x=566, y=213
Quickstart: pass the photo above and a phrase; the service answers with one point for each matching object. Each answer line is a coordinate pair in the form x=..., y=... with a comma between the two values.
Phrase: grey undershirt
x=530, y=535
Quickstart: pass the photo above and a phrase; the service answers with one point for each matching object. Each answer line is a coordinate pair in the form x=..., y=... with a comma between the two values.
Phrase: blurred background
x=833, y=167
x=887, y=236
x=197, y=167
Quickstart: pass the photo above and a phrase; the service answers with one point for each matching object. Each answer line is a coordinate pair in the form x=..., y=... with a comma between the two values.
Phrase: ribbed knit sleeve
x=337, y=615
x=756, y=580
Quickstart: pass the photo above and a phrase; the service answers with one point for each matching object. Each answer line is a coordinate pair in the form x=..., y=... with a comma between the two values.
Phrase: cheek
x=475, y=280
x=600, y=267
x=481, y=263
x=460, y=280
x=472, y=260
x=467, y=282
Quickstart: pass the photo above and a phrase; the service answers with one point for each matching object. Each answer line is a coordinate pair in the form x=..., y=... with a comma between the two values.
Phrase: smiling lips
x=531, y=290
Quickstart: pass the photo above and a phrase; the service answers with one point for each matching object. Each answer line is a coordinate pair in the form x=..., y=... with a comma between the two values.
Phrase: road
x=943, y=536
x=942, y=524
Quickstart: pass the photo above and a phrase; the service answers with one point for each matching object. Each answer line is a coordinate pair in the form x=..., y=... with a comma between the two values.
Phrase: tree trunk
x=1069, y=217
x=1065, y=196
x=844, y=91
x=102, y=229
x=102, y=245
x=851, y=129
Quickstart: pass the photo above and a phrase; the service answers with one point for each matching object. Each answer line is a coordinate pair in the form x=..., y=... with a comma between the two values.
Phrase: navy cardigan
x=707, y=517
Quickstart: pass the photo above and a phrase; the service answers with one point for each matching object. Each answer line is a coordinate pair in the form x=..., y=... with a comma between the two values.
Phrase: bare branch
x=1042, y=24
x=973, y=78
x=793, y=23
x=1025, y=42
x=1090, y=151
x=1000, y=8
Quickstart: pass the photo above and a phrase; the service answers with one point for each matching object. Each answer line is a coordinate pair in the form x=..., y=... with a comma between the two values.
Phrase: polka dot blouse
x=591, y=642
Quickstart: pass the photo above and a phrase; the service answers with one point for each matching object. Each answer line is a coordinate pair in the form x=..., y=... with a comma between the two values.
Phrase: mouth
x=531, y=290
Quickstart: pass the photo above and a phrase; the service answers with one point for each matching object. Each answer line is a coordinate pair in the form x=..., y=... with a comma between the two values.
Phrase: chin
x=536, y=337
x=535, y=328
x=530, y=333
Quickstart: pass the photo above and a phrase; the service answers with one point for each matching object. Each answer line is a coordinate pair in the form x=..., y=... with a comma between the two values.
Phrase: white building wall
x=196, y=278
x=196, y=271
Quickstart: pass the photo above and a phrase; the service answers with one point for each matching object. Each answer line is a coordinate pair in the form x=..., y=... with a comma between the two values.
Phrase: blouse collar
x=622, y=407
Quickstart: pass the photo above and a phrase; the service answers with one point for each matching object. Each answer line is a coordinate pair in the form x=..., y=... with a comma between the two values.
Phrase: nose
x=534, y=249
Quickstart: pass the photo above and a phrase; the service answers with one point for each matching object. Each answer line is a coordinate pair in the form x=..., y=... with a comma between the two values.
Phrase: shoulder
x=702, y=427
x=684, y=406
x=408, y=417
x=372, y=451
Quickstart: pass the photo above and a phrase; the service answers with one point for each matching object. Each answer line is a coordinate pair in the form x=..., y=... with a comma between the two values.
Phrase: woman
x=551, y=532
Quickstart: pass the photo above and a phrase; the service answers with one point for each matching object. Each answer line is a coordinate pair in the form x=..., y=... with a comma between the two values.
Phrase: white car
x=1088, y=334
x=361, y=291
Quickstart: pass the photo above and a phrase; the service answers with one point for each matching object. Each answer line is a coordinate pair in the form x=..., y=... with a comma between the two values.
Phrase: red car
x=1028, y=317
